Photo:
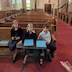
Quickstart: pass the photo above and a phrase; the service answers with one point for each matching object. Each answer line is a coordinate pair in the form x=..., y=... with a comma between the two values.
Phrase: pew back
x=5, y=33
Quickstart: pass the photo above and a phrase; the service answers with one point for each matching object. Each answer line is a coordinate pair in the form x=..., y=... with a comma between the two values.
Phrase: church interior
x=56, y=14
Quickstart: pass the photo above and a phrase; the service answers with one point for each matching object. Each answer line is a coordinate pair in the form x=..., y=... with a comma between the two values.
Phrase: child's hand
x=13, y=38
x=17, y=38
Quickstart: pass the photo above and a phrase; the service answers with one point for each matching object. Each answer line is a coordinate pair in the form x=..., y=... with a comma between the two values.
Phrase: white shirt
x=46, y=36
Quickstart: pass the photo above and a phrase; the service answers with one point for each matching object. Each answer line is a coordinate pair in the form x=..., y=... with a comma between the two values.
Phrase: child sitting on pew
x=50, y=42
x=16, y=36
x=29, y=34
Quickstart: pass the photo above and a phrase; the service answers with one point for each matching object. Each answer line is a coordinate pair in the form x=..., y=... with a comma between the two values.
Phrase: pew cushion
x=4, y=42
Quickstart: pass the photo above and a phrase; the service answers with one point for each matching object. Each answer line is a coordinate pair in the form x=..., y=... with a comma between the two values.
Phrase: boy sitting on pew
x=50, y=42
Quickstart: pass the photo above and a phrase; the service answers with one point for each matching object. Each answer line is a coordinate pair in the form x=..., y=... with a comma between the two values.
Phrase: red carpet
x=64, y=41
x=7, y=66
x=64, y=52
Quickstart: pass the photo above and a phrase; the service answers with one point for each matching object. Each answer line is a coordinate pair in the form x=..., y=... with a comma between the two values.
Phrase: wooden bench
x=5, y=37
x=5, y=32
x=67, y=17
x=2, y=14
x=35, y=17
x=8, y=15
x=70, y=18
x=39, y=20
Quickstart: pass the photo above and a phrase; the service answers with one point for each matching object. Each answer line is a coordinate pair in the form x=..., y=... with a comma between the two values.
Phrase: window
x=13, y=2
x=17, y=4
x=28, y=4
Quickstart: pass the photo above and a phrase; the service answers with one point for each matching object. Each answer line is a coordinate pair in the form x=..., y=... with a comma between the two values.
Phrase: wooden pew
x=2, y=14
x=70, y=18
x=5, y=32
x=6, y=24
x=38, y=19
x=35, y=25
x=8, y=15
x=5, y=35
x=34, y=17
x=67, y=17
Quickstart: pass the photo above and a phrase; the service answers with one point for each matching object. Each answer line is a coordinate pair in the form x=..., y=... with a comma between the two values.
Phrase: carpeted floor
x=7, y=66
x=64, y=41
x=64, y=52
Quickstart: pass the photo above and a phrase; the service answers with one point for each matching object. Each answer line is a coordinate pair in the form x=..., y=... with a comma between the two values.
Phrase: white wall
x=33, y=4
x=62, y=2
x=6, y=4
x=40, y=3
x=24, y=3
x=0, y=5
x=54, y=3
x=70, y=6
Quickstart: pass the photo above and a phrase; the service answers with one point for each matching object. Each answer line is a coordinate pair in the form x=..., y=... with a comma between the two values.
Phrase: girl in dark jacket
x=16, y=36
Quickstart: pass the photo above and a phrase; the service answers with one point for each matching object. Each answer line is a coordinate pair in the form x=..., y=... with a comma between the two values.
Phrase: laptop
x=28, y=43
x=41, y=44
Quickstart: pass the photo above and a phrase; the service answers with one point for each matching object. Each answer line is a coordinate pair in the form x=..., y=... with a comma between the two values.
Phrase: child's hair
x=13, y=23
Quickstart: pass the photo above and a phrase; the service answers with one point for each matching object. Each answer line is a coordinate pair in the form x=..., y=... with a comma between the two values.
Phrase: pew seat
x=4, y=50
x=4, y=43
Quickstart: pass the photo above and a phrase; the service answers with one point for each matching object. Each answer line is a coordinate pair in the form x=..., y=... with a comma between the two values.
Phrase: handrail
x=63, y=5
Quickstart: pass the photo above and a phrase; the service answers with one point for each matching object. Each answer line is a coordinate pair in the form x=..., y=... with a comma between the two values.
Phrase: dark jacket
x=17, y=33
x=28, y=35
